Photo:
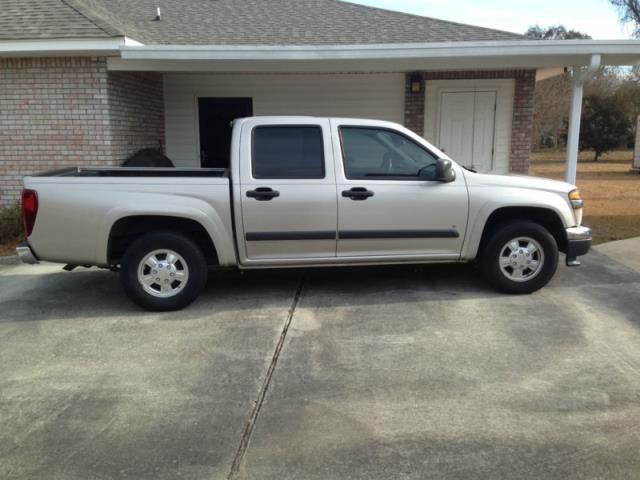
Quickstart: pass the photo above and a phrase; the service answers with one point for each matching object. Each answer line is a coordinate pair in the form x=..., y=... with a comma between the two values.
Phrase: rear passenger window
x=288, y=152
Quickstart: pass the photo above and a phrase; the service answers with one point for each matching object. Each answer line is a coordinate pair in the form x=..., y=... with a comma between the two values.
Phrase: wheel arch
x=545, y=217
x=127, y=229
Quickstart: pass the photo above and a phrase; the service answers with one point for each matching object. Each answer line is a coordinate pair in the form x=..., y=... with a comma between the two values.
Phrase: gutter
x=66, y=46
x=509, y=48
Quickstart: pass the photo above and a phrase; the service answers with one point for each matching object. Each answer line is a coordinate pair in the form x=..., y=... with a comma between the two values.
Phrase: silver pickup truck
x=301, y=192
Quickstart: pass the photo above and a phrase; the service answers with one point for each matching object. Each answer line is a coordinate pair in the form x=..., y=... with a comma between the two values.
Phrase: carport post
x=580, y=75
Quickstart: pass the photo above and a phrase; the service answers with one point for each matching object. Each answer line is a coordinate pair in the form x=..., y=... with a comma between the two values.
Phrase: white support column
x=580, y=75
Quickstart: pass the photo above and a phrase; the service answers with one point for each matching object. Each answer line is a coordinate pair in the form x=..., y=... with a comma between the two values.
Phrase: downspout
x=580, y=75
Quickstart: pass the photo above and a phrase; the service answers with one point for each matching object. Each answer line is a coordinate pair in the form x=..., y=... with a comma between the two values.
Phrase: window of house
x=284, y=152
x=375, y=153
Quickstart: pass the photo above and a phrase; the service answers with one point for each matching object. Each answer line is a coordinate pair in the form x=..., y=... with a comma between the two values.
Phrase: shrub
x=605, y=125
x=10, y=223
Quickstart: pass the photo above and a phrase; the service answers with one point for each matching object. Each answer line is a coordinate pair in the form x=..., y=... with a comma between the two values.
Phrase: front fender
x=484, y=202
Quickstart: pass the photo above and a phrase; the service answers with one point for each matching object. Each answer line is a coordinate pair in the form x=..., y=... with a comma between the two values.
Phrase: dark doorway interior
x=216, y=115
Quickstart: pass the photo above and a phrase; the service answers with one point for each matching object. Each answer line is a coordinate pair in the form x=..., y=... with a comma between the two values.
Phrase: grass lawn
x=611, y=192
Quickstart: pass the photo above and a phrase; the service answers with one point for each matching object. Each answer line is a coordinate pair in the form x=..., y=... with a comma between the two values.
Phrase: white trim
x=505, y=91
x=531, y=54
x=512, y=53
x=67, y=46
x=130, y=42
x=523, y=54
x=377, y=51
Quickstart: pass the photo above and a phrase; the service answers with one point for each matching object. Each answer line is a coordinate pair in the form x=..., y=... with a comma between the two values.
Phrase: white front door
x=467, y=127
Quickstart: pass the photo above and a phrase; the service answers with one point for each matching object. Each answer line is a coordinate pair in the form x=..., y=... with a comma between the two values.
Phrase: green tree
x=604, y=124
x=555, y=32
x=552, y=94
x=551, y=111
x=629, y=13
x=628, y=95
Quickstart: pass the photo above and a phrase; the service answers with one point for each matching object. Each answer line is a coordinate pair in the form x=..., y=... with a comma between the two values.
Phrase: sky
x=597, y=18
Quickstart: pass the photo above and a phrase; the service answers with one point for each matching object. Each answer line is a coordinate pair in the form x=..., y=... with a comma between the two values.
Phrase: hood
x=519, y=181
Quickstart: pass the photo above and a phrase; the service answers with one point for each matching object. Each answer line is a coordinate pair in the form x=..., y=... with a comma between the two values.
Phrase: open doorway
x=215, y=116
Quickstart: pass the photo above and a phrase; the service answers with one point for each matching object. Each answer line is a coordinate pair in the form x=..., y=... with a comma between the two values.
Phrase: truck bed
x=135, y=172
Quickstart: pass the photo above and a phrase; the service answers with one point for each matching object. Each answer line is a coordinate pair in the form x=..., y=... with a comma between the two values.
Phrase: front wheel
x=163, y=271
x=520, y=257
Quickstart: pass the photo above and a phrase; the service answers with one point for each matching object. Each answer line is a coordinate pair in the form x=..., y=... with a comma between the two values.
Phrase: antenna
x=158, y=14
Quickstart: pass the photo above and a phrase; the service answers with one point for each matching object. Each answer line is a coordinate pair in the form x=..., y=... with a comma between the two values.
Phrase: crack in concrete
x=257, y=405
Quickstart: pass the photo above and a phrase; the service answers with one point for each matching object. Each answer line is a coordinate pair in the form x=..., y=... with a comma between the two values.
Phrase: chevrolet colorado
x=300, y=192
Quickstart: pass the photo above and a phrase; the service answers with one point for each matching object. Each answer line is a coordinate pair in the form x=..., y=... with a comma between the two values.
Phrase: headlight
x=576, y=200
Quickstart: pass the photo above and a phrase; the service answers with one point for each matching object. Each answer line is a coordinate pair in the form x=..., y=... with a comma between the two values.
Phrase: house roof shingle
x=230, y=22
x=31, y=19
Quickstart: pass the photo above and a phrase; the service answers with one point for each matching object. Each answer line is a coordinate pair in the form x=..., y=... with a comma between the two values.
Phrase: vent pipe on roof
x=158, y=14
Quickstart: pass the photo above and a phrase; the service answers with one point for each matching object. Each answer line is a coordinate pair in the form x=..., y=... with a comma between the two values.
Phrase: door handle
x=263, y=194
x=357, y=193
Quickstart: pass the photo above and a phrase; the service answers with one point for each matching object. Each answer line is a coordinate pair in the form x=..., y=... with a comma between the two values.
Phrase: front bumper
x=579, y=240
x=26, y=254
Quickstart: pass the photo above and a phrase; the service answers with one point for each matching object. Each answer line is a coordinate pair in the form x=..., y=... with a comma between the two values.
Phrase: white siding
x=377, y=96
x=505, y=90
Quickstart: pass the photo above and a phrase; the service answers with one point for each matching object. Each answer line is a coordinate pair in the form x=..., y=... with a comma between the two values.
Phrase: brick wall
x=522, y=126
x=522, y=130
x=414, y=108
x=62, y=112
x=136, y=112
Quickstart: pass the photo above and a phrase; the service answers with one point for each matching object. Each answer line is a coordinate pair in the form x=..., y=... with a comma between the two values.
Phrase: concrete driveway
x=403, y=373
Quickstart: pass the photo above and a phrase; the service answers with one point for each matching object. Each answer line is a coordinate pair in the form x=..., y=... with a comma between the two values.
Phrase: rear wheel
x=163, y=271
x=520, y=257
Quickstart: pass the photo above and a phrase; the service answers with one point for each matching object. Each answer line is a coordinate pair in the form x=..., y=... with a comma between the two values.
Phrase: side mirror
x=444, y=171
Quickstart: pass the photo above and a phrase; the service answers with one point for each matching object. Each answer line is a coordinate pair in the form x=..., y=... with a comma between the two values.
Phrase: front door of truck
x=288, y=191
x=389, y=203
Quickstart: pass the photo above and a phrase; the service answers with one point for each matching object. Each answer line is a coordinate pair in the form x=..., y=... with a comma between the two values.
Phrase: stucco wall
x=379, y=96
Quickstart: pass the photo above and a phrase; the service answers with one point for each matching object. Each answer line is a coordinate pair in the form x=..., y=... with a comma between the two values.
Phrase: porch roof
x=505, y=54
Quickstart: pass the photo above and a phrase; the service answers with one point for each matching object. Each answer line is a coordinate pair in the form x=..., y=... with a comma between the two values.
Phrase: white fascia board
x=66, y=46
x=519, y=48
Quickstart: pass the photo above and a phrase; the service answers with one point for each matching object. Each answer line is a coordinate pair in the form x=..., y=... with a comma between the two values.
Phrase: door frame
x=505, y=91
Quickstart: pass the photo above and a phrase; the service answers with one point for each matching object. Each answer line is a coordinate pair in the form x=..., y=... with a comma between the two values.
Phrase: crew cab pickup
x=301, y=192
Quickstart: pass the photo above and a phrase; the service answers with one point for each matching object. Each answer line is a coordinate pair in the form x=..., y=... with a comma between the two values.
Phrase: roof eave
x=531, y=54
x=66, y=46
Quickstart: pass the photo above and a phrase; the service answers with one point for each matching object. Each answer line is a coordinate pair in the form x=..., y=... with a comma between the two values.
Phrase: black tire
x=143, y=246
x=491, y=253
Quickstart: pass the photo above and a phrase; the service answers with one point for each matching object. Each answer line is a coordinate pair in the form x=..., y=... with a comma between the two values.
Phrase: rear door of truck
x=287, y=190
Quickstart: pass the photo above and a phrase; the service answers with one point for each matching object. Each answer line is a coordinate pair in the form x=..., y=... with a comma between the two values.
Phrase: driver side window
x=379, y=154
